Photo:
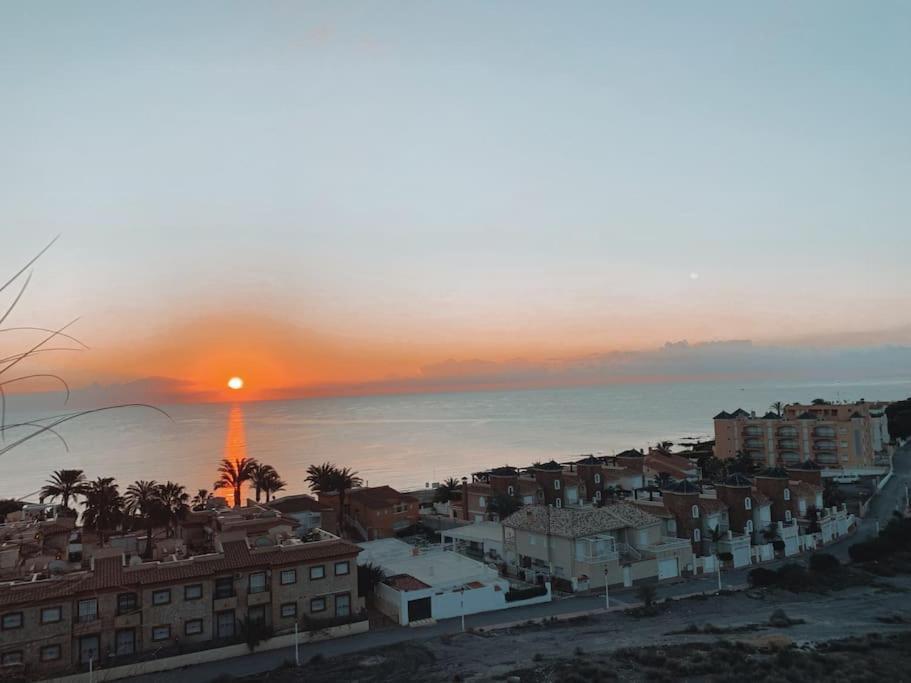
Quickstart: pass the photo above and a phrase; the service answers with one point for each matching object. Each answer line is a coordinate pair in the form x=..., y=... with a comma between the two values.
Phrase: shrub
x=646, y=593
x=824, y=563
x=514, y=594
x=761, y=576
x=868, y=551
x=794, y=577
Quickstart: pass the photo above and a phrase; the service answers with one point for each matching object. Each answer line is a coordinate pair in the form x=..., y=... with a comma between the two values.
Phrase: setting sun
x=236, y=383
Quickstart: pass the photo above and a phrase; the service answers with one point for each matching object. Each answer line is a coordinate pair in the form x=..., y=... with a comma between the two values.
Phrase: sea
x=405, y=441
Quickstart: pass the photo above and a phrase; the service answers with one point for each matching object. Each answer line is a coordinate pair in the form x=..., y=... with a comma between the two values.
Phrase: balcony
x=787, y=432
x=752, y=431
x=824, y=445
x=597, y=549
x=789, y=457
x=790, y=444
x=753, y=443
x=668, y=546
x=826, y=432
x=261, y=598
x=826, y=458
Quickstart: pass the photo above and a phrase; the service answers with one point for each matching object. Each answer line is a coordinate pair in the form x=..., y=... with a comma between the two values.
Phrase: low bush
x=868, y=551
x=514, y=594
x=824, y=563
x=761, y=577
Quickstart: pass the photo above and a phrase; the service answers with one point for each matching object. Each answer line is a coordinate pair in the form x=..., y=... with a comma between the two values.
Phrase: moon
x=694, y=275
x=236, y=383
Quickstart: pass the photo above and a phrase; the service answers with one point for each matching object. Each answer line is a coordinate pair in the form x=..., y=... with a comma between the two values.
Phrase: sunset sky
x=320, y=194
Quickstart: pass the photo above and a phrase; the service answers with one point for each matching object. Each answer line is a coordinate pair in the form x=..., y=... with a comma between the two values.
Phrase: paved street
x=881, y=509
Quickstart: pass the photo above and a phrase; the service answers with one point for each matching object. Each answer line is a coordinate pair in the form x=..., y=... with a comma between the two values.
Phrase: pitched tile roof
x=723, y=415
x=576, y=522
x=109, y=572
x=300, y=503
x=379, y=496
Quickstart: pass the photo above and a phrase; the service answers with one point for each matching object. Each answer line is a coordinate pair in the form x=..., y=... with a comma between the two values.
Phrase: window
x=597, y=478
x=317, y=604
x=317, y=571
x=748, y=528
x=558, y=502
x=161, y=632
x=88, y=649
x=342, y=605
x=510, y=490
x=12, y=620
x=597, y=495
x=747, y=503
x=288, y=576
x=11, y=658
x=162, y=597
x=224, y=624
x=697, y=535
x=289, y=610
x=258, y=582
x=51, y=615
x=787, y=494
x=342, y=568
x=87, y=610
x=532, y=539
x=400, y=507
x=127, y=602
x=695, y=511
x=49, y=653
x=557, y=483
x=192, y=627
x=787, y=515
x=482, y=502
x=192, y=592
x=126, y=642
x=224, y=588
x=257, y=613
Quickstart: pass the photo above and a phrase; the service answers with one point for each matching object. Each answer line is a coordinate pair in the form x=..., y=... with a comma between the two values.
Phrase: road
x=881, y=509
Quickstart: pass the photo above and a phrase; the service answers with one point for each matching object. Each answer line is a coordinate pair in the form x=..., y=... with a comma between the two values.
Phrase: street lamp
x=606, y=590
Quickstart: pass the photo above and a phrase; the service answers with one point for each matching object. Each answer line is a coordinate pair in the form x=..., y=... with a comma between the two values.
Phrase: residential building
x=375, y=512
x=675, y=466
x=307, y=511
x=836, y=436
x=581, y=547
x=433, y=583
x=114, y=608
x=589, y=480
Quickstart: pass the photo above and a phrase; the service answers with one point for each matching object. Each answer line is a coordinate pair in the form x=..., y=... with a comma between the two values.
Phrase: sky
x=325, y=195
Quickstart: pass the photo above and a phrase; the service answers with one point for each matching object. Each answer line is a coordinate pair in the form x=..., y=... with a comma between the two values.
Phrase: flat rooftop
x=435, y=568
x=480, y=532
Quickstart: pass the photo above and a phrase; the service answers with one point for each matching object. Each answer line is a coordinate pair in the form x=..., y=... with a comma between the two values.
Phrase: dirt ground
x=856, y=634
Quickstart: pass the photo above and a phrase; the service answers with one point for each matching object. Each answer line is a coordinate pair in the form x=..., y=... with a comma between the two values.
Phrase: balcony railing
x=787, y=432
x=752, y=431
x=753, y=443
x=824, y=431
x=668, y=546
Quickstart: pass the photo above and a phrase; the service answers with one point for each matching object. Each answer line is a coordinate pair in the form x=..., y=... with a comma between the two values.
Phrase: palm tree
x=664, y=447
x=663, y=480
x=64, y=484
x=233, y=474
x=260, y=475
x=777, y=407
x=272, y=484
x=142, y=499
x=447, y=491
x=174, y=499
x=103, y=507
x=327, y=477
x=319, y=477
x=201, y=499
